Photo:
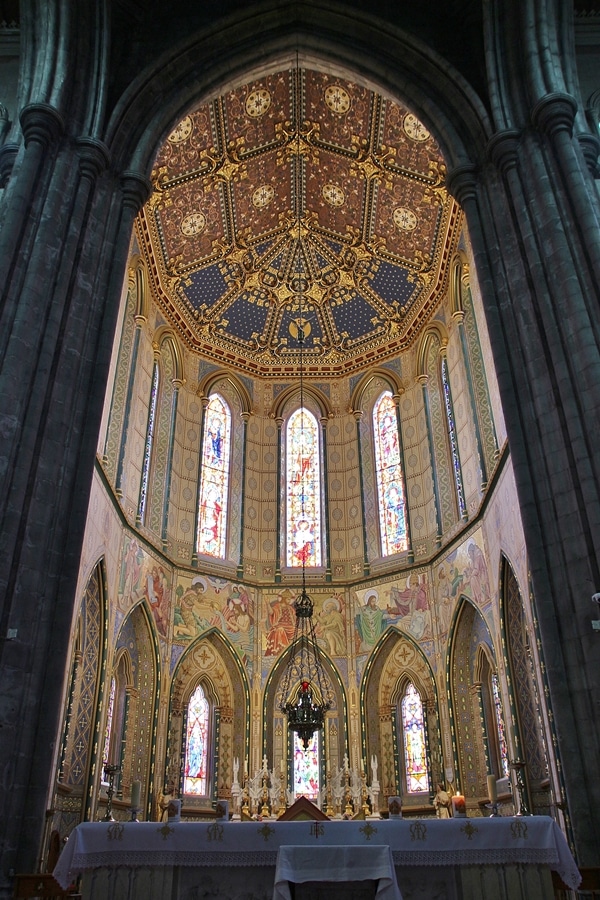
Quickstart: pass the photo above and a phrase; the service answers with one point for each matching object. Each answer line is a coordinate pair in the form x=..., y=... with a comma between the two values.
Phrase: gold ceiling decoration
x=299, y=183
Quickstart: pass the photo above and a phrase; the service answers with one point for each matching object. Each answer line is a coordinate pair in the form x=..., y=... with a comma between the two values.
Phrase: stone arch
x=243, y=47
x=395, y=661
x=137, y=639
x=275, y=732
x=79, y=761
x=212, y=661
x=523, y=689
x=470, y=647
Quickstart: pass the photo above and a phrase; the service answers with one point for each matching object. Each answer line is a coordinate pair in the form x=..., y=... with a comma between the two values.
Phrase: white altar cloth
x=334, y=863
x=535, y=840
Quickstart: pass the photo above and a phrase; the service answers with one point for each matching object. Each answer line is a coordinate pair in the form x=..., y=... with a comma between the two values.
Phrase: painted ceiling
x=299, y=210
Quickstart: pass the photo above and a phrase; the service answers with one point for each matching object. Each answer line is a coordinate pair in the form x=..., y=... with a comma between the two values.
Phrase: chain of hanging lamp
x=305, y=709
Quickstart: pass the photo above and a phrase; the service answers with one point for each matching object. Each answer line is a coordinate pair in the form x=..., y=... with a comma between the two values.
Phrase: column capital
x=8, y=154
x=136, y=190
x=590, y=147
x=42, y=123
x=462, y=182
x=94, y=156
x=502, y=149
x=554, y=113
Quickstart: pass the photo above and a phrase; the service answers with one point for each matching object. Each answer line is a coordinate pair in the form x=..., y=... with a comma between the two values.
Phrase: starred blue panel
x=206, y=288
x=337, y=248
x=355, y=316
x=246, y=317
x=391, y=283
x=261, y=249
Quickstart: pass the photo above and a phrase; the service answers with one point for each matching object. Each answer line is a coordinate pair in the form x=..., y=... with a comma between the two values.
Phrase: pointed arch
x=276, y=743
x=80, y=751
x=212, y=662
x=470, y=655
x=523, y=691
x=397, y=661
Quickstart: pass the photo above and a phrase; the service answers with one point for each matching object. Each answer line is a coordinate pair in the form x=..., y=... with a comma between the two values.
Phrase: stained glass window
x=109, y=721
x=415, y=751
x=303, y=500
x=149, y=442
x=462, y=507
x=390, y=487
x=500, y=725
x=214, y=484
x=196, y=744
x=306, y=768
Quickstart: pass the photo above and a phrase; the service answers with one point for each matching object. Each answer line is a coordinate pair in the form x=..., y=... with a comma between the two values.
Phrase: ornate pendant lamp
x=306, y=693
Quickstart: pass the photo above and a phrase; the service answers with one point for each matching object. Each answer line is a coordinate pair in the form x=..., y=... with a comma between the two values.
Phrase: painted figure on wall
x=476, y=575
x=330, y=626
x=370, y=622
x=411, y=605
x=281, y=622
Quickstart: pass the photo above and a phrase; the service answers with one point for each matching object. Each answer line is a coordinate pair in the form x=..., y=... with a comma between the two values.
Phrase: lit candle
x=492, y=788
x=136, y=789
x=459, y=808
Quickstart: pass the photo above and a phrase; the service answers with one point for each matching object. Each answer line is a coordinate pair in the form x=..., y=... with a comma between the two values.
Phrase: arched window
x=197, y=737
x=303, y=490
x=499, y=715
x=414, y=740
x=390, y=486
x=306, y=776
x=150, y=427
x=453, y=439
x=214, y=481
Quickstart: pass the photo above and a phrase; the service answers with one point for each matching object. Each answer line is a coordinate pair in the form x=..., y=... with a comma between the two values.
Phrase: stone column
x=67, y=223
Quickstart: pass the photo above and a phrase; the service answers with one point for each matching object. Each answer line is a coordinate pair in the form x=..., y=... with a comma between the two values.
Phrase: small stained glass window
x=415, y=751
x=109, y=720
x=196, y=744
x=303, y=498
x=306, y=768
x=390, y=485
x=214, y=483
x=502, y=745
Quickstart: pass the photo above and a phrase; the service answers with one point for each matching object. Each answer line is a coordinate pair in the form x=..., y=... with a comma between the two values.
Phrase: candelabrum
x=265, y=796
x=518, y=767
x=110, y=771
x=364, y=794
x=245, y=798
x=348, y=811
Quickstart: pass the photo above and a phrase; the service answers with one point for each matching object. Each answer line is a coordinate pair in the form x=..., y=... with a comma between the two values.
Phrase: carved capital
x=590, y=147
x=94, y=157
x=41, y=123
x=555, y=113
x=8, y=154
x=502, y=149
x=462, y=183
x=136, y=190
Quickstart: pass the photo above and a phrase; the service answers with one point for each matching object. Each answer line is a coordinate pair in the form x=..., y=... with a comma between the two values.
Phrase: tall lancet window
x=502, y=745
x=195, y=777
x=306, y=768
x=303, y=486
x=460, y=493
x=214, y=480
x=149, y=442
x=415, y=744
x=390, y=486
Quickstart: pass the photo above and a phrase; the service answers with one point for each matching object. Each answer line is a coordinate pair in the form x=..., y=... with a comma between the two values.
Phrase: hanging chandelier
x=306, y=693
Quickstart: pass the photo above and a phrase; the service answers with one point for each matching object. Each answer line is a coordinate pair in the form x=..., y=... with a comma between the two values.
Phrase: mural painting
x=403, y=603
x=329, y=617
x=203, y=602
x=464, y=571
x=142, y=577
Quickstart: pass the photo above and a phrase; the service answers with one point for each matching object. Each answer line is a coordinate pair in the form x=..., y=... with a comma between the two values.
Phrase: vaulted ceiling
x=299, y=199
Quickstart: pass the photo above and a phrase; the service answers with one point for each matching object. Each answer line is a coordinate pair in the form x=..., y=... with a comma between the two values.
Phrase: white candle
x=282, y=767
x=492, y=788
x=136, y=789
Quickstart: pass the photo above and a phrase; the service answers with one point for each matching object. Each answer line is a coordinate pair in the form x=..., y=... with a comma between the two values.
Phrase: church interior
x=299, y=300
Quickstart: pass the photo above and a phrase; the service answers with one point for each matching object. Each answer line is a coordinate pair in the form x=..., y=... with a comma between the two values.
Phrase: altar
x=504, y=857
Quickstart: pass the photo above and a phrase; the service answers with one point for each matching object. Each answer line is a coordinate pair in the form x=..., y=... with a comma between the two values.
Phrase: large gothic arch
x=102, y=171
